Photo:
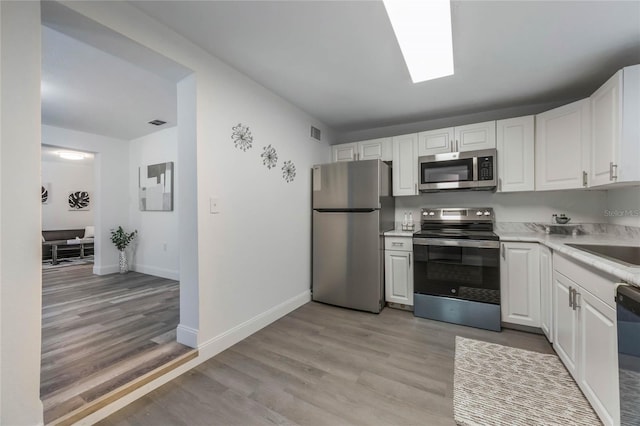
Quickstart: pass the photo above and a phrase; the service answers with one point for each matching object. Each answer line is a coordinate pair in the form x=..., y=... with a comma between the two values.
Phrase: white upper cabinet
x=475, y=136
x=405, y=165
x=344, y=152
x=562, y=142
x=364, y=150
x=462, y=138
x=516, y=151
x=375, y=149
x=435, y=141
x=615, y=129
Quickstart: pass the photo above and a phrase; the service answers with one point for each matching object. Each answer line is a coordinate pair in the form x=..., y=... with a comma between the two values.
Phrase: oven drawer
x=398, y=243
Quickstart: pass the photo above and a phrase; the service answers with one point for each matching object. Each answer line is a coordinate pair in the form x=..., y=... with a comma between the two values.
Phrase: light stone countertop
x=398, y=232
x=558, y=243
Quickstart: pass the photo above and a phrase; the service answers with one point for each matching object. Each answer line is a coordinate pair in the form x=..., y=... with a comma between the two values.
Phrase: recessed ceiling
x=87, y=89
x=339, y=60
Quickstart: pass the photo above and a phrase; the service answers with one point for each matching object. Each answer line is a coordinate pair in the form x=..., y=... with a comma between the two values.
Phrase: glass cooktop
x=456, y=234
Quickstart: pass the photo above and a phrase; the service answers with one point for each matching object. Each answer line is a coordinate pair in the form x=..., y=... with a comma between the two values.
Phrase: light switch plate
x=214, y=205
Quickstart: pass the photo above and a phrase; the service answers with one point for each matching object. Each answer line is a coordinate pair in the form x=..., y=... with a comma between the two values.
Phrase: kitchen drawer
x=596, y=282
x=398, y=243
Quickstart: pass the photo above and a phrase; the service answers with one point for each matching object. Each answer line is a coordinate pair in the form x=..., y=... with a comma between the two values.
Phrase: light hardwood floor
x=100, y=332
x=322, y=365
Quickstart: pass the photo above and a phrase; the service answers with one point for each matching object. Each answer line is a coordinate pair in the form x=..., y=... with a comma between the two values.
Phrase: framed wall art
x=155, y=187
x=79, y=200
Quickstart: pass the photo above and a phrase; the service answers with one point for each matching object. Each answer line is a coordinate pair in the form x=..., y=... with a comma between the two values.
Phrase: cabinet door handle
x=570, y=297
x=499, y=184
x=575, y=299
x=502, y=251
x=415, y=188
x=584, y=178
x=409, y=260
x=397, y=244
x=612, y=174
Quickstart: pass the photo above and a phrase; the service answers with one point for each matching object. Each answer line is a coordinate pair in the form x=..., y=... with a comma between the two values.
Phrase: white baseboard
x=187, y=336
x=104, y=270
x=230, y=337
x=149, y=270
x=157, y=272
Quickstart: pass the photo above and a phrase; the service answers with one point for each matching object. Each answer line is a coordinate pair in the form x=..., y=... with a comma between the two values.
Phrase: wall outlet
x=214, y=205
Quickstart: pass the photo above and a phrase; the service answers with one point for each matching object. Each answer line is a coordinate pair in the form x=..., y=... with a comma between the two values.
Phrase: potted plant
x=121, y=239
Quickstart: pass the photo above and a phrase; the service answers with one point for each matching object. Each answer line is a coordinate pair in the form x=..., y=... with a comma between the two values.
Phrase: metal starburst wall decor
x=288, y=171
x=242, y=138
x=269, y=157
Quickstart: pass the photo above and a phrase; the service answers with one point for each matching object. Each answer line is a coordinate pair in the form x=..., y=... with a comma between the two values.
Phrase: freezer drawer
x=348, y=252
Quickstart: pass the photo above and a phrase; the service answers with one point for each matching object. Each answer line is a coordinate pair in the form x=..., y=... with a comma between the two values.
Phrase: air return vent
x=315, y=133
x=157, y=122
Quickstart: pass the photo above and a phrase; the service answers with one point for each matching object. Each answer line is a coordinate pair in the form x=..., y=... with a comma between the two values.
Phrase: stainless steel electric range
x=457, y=267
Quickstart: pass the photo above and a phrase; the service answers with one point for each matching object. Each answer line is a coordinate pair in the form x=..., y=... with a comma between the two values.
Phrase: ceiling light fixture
x=71, y=155
x=423, y=31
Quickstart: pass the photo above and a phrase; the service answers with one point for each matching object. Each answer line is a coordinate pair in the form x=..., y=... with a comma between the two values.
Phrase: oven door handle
x=456, y=243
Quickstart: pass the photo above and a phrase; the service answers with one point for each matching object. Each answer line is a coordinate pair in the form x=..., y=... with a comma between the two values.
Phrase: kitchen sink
x=629, y=255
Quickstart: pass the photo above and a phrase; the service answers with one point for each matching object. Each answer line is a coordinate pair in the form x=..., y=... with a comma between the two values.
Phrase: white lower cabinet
x=599, y=356
x=398, y=270
x=520, y=283
x=585, y=334
x=546, y=292
x=565, y=320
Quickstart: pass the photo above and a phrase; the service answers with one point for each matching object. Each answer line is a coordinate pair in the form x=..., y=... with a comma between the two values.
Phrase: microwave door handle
x=475, y=169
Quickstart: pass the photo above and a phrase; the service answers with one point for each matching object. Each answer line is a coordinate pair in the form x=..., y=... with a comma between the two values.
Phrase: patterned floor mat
x=499, y=385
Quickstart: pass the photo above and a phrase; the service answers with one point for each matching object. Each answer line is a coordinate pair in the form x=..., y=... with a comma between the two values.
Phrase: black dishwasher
x=628, y=312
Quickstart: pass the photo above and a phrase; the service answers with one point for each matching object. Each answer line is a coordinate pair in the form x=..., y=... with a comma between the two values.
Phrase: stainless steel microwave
x=475, y=170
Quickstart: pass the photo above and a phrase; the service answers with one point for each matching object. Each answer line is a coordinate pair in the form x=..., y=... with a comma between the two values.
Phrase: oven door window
x=447, y=171
x=467, y=273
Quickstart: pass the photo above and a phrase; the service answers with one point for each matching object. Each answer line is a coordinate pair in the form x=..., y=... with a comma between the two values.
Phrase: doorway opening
x=104, y=332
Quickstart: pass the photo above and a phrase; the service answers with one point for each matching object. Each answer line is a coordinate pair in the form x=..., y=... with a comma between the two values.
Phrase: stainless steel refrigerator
x=352, y=207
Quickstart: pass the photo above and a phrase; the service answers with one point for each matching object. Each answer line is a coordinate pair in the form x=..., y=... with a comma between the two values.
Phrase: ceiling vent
x=157, y=122
x=315, y=133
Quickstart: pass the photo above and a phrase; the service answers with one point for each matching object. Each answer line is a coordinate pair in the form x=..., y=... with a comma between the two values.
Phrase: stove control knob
x=425, y=214
x=432, y=213
x=478, y=213
x=487, y=213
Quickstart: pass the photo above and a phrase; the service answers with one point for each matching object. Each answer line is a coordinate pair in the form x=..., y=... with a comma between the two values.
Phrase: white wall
x=255, y=254
x=253, y=258
x=623, y=206
x=156, y=246
x=581, y=206
x=111, y=187
x=20, y=245
x=64, y=177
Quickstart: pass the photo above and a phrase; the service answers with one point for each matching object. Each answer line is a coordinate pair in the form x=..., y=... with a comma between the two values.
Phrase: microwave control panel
x=485, y=168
